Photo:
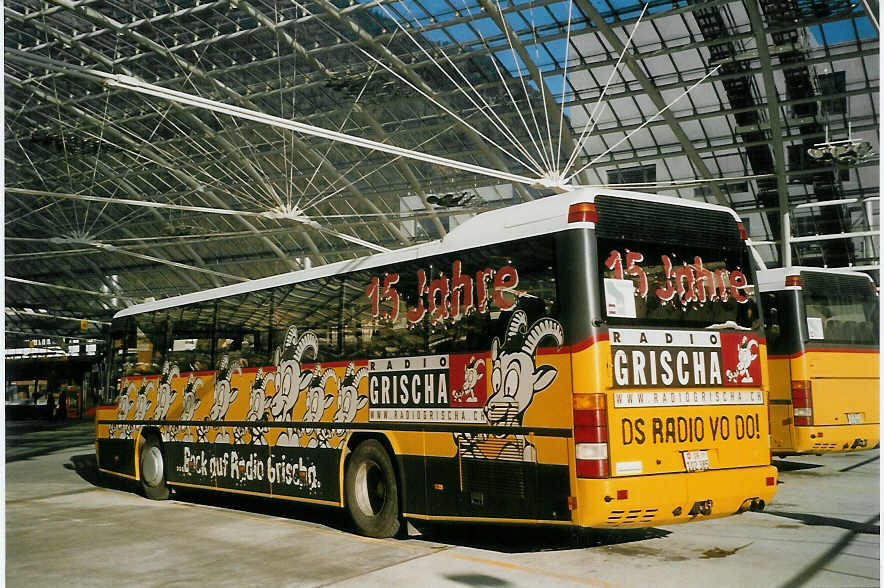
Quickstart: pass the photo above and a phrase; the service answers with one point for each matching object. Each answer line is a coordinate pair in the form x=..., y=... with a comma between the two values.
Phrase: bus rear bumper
x=665, y=499
x=835, y=438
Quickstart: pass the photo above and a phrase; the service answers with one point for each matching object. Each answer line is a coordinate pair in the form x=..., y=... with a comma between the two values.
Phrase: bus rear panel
x=675, y=372
x=824, y=361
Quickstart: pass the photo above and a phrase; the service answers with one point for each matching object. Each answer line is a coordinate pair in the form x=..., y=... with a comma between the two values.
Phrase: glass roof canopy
x=119, y=195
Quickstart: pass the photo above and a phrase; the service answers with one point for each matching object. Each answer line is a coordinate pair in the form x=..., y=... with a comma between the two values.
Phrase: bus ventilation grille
x=502, y=476
x=620, y=518
x=825, y=446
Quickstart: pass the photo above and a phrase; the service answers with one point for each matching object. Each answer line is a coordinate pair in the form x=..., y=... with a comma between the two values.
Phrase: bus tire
x=371, y=491
x=152, y=466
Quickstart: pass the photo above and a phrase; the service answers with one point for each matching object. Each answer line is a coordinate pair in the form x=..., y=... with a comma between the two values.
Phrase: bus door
x=785, y=352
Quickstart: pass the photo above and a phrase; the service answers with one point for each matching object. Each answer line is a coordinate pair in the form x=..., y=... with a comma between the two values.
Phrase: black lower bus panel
x=117, y=455
x=487, y=488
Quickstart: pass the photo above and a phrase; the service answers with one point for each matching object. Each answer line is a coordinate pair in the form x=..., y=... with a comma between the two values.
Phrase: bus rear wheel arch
x=152, y=467
x=372, y=491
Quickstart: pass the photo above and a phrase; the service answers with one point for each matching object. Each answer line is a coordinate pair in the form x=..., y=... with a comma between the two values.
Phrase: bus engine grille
x=623, y=518
x=501, y=472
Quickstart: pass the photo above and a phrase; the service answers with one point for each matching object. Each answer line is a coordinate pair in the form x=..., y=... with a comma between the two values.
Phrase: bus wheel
x=153, y=470
x=371, y=490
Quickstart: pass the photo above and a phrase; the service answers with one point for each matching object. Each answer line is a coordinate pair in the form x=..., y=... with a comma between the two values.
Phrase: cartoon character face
x=189, y=401
x=125, y=404
x=258, y=397
x=349, y=400
x=165, y=395
x=224, y=393
x=289, y=381
x=745, y=357
x=515, y=378
x=142, y=404
x=473, y=372
x=258, y=403
x=317, y=401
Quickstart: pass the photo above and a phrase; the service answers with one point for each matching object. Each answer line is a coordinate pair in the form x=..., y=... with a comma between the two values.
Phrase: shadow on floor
x=793, y=466
x=817, y=520
x=529, y=538
x=803, y=576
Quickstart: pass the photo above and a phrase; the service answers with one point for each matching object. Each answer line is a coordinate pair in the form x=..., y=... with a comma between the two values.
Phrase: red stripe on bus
x=839, y=350
x=585, y=344
x=357, y=363
x=823, y=350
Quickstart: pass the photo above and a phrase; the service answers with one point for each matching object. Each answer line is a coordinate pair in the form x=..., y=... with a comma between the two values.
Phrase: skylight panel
x=843, y=31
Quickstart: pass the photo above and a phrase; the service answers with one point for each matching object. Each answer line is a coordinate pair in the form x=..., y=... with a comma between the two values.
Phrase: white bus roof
x=771, y=280
x=538, y=217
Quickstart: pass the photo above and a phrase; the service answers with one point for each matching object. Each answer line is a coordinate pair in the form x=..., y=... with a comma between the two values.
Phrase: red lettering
x=505, y=282
x=738, y=283
x=461, y=289
x=632, y=258
x=615, y=263
x=416, y=314
x=666, y=292
x=685, y=283
x=374, y=295
x=438, y=288
x=722, y=283
x=482, y=278
x=705, y=281
x=392, y=295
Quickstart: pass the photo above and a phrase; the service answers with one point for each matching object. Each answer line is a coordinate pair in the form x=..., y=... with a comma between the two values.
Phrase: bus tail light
x=582, y=212
x=743, y=234
x=591, y=435
x=802, y=402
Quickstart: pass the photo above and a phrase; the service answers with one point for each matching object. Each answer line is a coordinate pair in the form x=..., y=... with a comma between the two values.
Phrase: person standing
x=50, y=405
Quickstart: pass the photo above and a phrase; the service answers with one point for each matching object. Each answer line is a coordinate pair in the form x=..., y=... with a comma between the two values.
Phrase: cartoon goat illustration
x=289, y=381
x=515, y=379
x=349, y=400
x=165, y=394
x=224, y=394
x=124, y=406
x=142, y=404
x=473, y=372
x=189, y=404
x=745, y=357
x=258, y=411
x=316, y=402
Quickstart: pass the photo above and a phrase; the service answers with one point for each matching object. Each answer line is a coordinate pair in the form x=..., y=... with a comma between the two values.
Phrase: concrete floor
x=64, y=529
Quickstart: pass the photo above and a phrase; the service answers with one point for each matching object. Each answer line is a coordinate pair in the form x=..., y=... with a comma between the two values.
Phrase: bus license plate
x=696, y=461
x=854, y=418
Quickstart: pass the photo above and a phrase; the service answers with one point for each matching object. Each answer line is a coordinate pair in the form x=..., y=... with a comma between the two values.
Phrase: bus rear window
x=669, y=265
x=840, y=308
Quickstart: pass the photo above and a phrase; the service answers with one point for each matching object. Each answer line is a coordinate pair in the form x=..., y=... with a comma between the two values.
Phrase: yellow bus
x=593, y=359
x=823, y=356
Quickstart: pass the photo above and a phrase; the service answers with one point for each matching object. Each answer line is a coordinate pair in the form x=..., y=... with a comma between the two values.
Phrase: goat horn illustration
x=291, y=336
x=307, y=341
x=545, y=327
x=326, y=376
x=517, y=323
